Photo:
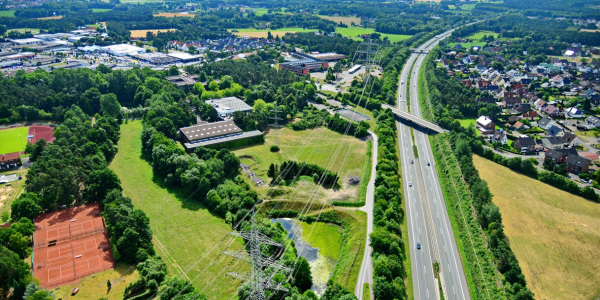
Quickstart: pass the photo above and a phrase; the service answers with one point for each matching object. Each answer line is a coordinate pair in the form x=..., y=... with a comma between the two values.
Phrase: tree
x=173, y=71
x=198, y=89
x=14, y=270
x=110, y=106
x=302, y=274
x=41, y=295
x=213, y=86
x=25, y=207
x=108, y=285
x=100, y=182
x=35, y=150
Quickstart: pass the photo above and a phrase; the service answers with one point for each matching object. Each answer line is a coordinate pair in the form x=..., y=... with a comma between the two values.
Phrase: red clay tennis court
x=70, y=244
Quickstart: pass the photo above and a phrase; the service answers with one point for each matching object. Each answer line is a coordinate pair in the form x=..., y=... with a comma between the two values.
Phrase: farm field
x=345, y=20
x=479, y=35
x=95, y=287
x=263, y=33
x=173, y=15
x=355, y=32
x=23, y=30
x=142, y=32
x=185, y=233
x=13, y=139
x=7, y=13
x=554, y=234
x=101, y=9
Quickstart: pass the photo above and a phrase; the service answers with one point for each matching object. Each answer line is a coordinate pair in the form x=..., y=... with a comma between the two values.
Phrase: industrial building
x=213, y=134
x=225, y=107
x=303, y=64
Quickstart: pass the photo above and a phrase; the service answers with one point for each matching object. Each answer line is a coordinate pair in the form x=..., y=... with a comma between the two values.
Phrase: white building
x=574, y=112
x=124, y=49
x=225, y=107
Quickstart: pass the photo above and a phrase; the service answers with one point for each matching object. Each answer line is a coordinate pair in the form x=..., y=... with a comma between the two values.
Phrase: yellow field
x=172, y=15
x=589, y=30
x=555, y=235
x=142, y=32
x=345, y=20
x=51, y=18
x=262, y=34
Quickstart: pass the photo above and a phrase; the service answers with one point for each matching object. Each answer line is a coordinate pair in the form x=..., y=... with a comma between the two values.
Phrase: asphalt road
x=365, y=274
x=428, y=222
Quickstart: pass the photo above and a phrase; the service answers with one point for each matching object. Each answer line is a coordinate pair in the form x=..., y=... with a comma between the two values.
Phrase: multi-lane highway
x=427, y=218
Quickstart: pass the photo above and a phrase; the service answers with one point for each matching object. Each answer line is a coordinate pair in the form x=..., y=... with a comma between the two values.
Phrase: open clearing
x=96, y=10
x=345, y=20
x=326, y=237
x=95, y=287
x=51, y=18
x=13, y=139
x=7, y=13
x=142, y=32
x=173, y=15
x=263, y=33
x=315, y=146
x=185, y=233
x=356, y=32
x=477, y=36
x=23, y=30
x=10, y=191
x=554, y=234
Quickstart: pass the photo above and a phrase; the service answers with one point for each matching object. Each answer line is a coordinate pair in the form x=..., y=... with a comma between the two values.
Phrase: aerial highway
x=427, y=217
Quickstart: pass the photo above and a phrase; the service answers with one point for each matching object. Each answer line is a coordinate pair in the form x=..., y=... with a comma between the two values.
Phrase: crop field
x=13, y=139
x=92, y=287
x=479, y=35
x=263, y=33
x=345, y=20
x=554, y=234
x=142, y=32
x=7, y=13
x=173, y=15
x=355, y=32
x=186, y=235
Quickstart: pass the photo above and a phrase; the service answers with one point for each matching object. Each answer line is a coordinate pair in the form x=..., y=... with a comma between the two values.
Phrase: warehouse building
x=304, y=64
x=216, y=134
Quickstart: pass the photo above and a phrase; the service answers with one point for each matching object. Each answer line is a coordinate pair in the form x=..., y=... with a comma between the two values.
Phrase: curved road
x=365, y=274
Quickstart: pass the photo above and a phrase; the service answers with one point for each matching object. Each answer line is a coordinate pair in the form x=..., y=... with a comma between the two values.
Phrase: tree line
x=289, y=170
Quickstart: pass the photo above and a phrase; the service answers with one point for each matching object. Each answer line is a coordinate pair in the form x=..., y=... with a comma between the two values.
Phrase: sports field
x=142, y=32
x=345, y=20
x=355, y=32
x=263, y=33
x=185, y=233
x=554, y=234
x=13, y=139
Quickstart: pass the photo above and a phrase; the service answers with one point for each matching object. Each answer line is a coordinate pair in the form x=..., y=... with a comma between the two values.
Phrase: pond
x=321, y=266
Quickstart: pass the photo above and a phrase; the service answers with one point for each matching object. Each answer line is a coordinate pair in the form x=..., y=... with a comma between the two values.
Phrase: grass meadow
x=355, y=32
x=95, y=286
x=7, y=13
x=479, y=35
x=554, y=234
x=142, y=32
x=326, y=237
x=186, y=235
x=13, y=139
x=96, y=10
x=263, y=33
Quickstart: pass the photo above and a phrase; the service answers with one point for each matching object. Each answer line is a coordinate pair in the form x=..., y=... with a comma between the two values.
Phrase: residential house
x=509, y=102
x=485, y=125
x=539, y=104
x=524, y=144
x=593, y=121
x=513, y=119
x=553, y=142
x=500, y=137
x=553, y=130
x=519, y=126
x=559, y=156
x=9, y=160
x=551, y=110
x=568, y=137
x=530, y=115
x=574, y=112
x=577, y=164
x=545, y=123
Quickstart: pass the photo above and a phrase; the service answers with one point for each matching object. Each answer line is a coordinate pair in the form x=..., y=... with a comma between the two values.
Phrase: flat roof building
x=184, y=56
x=210, y=134
x=28, y=41
x=304, y=64
x=225, y=107
x=123, y=49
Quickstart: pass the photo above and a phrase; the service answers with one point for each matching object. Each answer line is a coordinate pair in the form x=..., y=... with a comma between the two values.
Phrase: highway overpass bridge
x=414, y=119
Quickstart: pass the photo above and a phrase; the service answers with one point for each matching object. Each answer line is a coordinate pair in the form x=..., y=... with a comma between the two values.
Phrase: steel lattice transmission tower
x=275, y=124
x=259, y=281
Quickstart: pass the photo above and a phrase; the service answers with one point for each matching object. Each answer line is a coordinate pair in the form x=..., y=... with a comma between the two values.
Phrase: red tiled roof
x=9, y=156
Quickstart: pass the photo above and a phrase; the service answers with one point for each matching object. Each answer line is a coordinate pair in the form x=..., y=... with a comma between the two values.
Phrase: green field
x=355, y=32
x=263, y=33
x=23, y=30
x=185, y=233
x=7, y=13
x=101, y=9
x=554, y=234
x=13, y=139
x=479, y=35
x=328, y=238
x=94, y=286
x=468, y=45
